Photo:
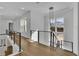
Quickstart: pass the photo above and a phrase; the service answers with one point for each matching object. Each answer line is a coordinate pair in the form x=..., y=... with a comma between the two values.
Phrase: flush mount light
x=51, y=8
x=37, y=2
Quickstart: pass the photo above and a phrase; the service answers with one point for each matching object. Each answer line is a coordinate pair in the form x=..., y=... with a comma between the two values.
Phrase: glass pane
x=52, y=21
x=23, y=24
x=60, y=20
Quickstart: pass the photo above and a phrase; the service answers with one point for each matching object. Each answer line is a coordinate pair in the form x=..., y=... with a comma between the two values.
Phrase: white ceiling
x=19, y=8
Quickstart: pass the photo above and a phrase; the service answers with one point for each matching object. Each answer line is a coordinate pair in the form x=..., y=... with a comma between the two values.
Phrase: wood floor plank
x=35, y=49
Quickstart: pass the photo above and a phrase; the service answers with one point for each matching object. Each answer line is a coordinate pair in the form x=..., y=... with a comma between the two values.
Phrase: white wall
x=47, y=28
x=27, y=33
x=37, y=23
x=37, y=20
x=17, y=26
x=78, y=29
x=75, y=28
x=68, y=29
x=67, y=14
x=70, y=26
x=3, y=24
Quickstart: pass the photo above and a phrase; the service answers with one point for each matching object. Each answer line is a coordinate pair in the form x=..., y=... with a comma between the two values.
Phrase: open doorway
x=57, y=27
x=10, y=26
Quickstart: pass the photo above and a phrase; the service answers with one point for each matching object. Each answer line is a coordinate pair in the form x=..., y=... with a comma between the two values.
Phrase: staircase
x=2, y=44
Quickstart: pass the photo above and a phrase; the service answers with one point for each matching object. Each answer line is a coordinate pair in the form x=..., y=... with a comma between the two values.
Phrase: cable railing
x=52, y=38
x=10, y=43
x=2, y=40
x=4, y=44
x=63, y=41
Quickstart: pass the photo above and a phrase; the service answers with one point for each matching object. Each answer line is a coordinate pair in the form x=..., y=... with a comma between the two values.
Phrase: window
x=23, y=24
x=57, y=24
x=60, y=21
x=52, y=21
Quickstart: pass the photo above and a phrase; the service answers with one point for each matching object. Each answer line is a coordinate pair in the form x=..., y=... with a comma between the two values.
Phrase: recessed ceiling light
x=1, y=7
x=22, y=8
x=16, y=14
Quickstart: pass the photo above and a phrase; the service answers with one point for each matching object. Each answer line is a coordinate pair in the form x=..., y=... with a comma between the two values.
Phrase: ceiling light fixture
x=22, y=8
x=37, y=2
x=1, y=7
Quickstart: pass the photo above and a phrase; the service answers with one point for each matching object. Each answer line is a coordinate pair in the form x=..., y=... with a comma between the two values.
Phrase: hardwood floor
x=35, y=49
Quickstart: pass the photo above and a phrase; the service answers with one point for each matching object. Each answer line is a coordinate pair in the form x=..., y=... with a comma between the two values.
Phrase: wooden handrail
x=19, y=34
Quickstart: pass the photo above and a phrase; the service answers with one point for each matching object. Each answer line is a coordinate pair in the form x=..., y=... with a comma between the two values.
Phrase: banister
x=51, y=32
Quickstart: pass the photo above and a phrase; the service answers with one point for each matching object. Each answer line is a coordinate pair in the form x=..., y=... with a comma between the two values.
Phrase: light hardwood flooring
x=34, y=49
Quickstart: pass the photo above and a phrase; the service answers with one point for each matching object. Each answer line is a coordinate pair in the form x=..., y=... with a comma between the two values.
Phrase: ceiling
x=18, y=8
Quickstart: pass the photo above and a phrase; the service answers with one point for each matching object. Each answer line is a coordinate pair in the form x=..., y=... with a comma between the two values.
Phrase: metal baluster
x=30, y=33
x=50, y=38
x=19, y=42
x=53, y=39
x=72, y=46
x=38, y=36
x=61, y=43
x=4, y=43
x=0, y=43
x=14, y=37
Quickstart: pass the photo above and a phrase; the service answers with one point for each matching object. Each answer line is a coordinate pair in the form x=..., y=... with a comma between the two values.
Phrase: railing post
x=38, y=36
x=72, y=46
x=1, y=43
x=14, y=37
x=61, y=43
x=19, y=42
x=4, y=43
x=50, y=38
x=53, y=39
x=10, y=34
x=30, y=33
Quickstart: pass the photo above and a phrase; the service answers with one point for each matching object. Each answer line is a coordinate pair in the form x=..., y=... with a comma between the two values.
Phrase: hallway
x=34, y=49
x=45, y=22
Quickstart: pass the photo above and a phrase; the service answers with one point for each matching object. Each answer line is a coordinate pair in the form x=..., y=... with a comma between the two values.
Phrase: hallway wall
x=37, y=23
x=75, y=28
x=70, y=34
x=37, y=20
x=4, y=24
x=17, y=25
x=68, y=28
